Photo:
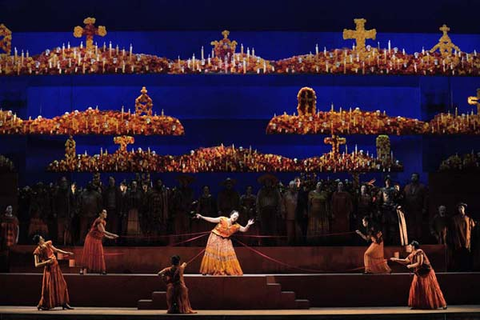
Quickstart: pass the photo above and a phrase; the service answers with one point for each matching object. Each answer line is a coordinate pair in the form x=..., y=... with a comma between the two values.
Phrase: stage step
x=302, y=304
x=268, y=295
x=145, y=304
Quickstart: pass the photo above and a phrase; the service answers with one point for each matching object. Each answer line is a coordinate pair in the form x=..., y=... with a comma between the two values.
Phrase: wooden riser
x=273, y=297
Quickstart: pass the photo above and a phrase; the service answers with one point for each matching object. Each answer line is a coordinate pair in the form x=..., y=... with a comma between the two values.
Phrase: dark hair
x=175, y=260
x=36, y=238
x=234, y=211
x=366, y=218
x=415, y=244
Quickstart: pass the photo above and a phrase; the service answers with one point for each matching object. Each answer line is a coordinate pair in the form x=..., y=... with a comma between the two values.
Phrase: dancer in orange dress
x=373, y=258
x=54, y=287
x=425, y=292
x=220, y=257
x=93, y=256
x=177, y=291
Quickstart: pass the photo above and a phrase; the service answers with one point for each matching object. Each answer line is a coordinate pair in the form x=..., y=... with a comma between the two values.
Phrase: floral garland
x=345, y=122
x=309, y=121
x=443, y=59
x=466, y=162
x=94, y=121
x=217, y=159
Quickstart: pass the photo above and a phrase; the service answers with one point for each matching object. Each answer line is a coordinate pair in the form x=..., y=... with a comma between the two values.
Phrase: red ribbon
x=166, y=235
x=188, y=240
x=198, y=255
x=295, y=267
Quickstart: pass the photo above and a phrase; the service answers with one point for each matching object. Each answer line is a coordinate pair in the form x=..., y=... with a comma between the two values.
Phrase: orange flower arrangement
x=443, y=59
x=216, y=159
x=466, y=162
x=94, y=121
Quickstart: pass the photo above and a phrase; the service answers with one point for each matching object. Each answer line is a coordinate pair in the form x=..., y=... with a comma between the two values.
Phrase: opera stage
x=391, y=313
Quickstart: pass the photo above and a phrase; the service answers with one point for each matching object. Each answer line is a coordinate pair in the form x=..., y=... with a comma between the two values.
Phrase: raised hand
x=250, y=222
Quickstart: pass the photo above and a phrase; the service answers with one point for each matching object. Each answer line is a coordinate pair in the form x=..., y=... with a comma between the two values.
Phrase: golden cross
x=445, y=45
x=143, y=103
x=335, y=141
x=359, y=34
x=123, y=141
x=475, y=100
x=89, y=31
x=5, y=39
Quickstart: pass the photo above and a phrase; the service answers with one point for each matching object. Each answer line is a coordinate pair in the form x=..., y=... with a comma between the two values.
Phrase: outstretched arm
x=61, y=251
x=109, y=235
x=364, y=237
x=401, y=261
x=249, y=223
x=162, y=272
x=209, y=219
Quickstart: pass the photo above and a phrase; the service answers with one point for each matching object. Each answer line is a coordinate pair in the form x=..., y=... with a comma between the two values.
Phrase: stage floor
x=453, y=312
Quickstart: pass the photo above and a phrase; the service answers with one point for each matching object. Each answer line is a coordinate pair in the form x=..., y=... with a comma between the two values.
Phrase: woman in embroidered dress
x=220, y=257
x=93, y=257
x=54, y=287
x=425, y=292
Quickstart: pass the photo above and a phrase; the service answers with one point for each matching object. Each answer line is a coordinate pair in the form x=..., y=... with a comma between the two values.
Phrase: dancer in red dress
x=177, y=291
x=93, y=256
x=425, y=292
x=220, y=257
x=54, y=287
x=373, y=258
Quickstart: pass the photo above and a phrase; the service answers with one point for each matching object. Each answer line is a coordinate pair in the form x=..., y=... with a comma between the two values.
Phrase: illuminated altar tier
x=345, y=122
x=220, y=159
x=92, y=121
x=453, y=124
x=350, y=162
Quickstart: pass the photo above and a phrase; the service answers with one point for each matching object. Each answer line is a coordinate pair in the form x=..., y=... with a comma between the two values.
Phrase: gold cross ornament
x=335, y=141
x=359, y=34
x=475, y=101
x=123, y=141
x=89, y=31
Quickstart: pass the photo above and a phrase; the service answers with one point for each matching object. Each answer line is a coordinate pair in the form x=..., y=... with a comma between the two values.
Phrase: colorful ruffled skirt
x=220, y=257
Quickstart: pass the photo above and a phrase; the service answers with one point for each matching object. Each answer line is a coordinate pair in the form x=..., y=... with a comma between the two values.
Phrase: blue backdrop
x=234, y=109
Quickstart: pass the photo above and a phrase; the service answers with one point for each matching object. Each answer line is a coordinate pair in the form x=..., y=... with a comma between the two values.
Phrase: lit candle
x=389, y=46
x=253, y=52
x=202, y=55
x=110, y=48
x=131, y=50
x=316, y=49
